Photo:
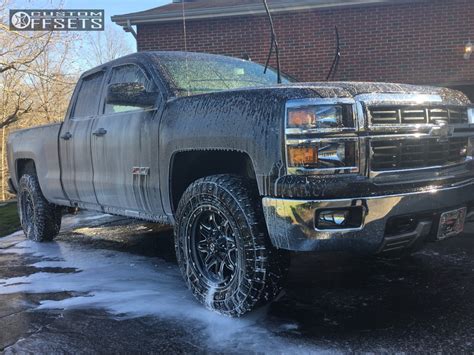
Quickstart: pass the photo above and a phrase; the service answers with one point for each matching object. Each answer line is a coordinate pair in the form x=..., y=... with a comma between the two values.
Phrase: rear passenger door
x=126, y=155
x=75, y=141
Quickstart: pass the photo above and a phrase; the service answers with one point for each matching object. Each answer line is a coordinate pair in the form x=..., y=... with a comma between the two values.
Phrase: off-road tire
x=39, y=219
x=260, y=268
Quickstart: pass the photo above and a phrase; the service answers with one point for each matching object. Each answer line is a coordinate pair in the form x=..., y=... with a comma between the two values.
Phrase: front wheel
x=39, y=219
x=222, y=246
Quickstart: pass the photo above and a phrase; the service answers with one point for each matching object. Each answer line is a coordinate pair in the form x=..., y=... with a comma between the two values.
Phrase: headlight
x=323, y=155
x=321, y=136
x=324, y=117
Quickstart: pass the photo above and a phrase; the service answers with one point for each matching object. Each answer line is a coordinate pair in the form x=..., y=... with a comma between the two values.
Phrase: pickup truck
x=247, y=170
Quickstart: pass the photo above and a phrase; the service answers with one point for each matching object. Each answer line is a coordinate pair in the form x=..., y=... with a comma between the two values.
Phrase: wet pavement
x=112, y=285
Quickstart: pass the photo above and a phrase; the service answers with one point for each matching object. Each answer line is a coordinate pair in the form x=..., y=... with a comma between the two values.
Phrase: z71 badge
x=143, y=171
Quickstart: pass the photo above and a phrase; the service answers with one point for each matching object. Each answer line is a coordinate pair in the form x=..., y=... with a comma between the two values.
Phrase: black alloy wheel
x=222, y=246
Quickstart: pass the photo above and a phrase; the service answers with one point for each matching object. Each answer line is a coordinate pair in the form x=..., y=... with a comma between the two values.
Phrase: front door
x=125, y=152
x=75, y=141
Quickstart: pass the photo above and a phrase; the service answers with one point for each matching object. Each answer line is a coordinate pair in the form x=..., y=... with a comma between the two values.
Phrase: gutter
x=243, y=10
x=128, y=28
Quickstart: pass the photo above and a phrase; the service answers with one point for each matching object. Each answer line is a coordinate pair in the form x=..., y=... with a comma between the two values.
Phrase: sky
x=111, y=7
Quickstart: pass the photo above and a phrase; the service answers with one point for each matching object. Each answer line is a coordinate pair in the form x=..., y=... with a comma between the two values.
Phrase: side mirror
x=130, y=94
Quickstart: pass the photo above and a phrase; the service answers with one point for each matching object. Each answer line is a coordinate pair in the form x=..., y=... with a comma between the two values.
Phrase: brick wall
x=422, y=42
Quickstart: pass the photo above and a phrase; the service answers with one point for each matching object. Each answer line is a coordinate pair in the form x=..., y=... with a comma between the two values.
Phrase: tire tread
x=48, y=216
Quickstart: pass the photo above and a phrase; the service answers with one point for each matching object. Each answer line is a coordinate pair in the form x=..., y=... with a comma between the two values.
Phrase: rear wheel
x=222, y=247
x=39, y=219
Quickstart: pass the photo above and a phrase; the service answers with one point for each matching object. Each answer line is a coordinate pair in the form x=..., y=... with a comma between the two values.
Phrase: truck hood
x=352, y=89
x=338, y=90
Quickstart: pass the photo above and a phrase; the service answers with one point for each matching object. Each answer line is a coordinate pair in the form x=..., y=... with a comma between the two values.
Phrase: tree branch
x=15, y=116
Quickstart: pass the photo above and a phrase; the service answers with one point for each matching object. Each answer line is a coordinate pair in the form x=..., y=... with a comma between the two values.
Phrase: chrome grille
x=439, y=114
x=458, y=115
x=413, y=116
x=416, y=153
x=385, y=116
x=393, y=115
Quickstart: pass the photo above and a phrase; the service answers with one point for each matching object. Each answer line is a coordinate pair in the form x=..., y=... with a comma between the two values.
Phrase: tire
x=39, y=219
x=222, y=246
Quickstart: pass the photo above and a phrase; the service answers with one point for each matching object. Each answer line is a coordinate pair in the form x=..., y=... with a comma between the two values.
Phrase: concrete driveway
x=111, y=285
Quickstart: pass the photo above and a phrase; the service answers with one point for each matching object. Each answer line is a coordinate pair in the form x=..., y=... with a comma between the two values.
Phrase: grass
x=9, y=221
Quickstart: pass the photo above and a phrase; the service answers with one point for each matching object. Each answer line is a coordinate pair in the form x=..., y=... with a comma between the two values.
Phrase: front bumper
x=291, y=223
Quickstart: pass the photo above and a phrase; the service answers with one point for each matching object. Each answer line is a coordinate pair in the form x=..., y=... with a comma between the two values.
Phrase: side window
x=129, y=73
x=89, y=95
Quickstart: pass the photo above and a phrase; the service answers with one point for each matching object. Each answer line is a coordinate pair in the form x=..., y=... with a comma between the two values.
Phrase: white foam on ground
x=95, y=217
x=135, y=286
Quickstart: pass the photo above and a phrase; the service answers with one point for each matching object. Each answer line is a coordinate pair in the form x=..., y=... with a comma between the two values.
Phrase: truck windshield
x=197, y=74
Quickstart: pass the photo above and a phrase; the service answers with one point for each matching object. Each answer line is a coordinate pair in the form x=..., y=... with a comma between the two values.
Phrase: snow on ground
x=129, y=285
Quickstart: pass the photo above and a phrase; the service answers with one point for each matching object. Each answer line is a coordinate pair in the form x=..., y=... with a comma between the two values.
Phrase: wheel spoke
x=220, y=273
x=202, y=247
x=210, y=261
x=230, y=242
x=205, y=231
x=228, y=234
x=212, y=219
x=225, y=226
x=229, y=261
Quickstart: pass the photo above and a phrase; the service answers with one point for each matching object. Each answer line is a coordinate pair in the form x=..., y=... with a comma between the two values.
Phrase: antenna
x=184, y=28
x=185, y=47
x=273, y=44
x=337, y=57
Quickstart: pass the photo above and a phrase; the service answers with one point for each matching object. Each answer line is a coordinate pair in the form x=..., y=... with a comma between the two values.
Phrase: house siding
x=421, y=43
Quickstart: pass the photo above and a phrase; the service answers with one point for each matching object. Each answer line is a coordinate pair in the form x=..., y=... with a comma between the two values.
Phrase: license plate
x=451, y=223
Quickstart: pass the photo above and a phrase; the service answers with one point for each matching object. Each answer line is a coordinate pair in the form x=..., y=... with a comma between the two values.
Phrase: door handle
x=66, y=136
x=100, y=132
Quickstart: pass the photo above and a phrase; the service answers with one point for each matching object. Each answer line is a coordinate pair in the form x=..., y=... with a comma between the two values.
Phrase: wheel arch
x=25, y=165
x=189, y=166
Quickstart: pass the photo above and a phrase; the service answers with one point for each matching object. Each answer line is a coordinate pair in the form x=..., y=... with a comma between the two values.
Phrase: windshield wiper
x=274, y=44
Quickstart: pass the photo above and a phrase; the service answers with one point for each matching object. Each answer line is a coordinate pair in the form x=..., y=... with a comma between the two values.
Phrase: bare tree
x=35, y=80
x=104, y=46
x=19, y=50
x=52, y=82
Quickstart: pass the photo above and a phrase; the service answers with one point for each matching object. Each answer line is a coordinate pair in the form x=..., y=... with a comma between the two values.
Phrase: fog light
x=334, y=218
x=339, y=218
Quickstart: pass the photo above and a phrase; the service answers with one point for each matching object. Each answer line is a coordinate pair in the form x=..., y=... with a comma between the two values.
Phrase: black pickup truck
x=247, y=170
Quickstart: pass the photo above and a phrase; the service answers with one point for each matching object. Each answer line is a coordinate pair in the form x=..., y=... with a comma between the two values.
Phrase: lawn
x=9, y=221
